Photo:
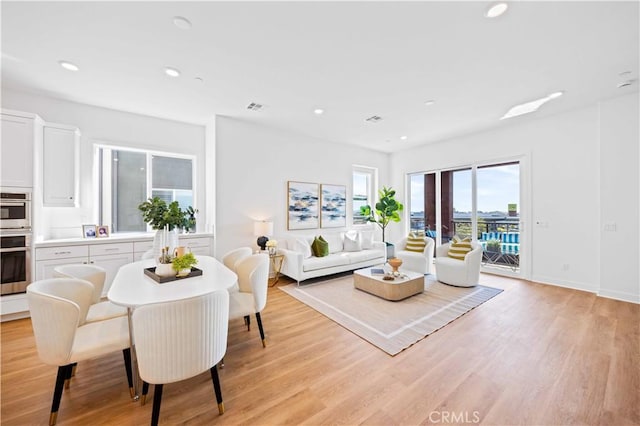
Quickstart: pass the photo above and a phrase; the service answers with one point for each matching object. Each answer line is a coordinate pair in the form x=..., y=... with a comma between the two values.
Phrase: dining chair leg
x=216, y=388
x=221, y=363
x=259, y=320
x=247, y=321
x=145, y=391
x=67, y=379
x=127, y=365
x=157, y=399
x=57, y=392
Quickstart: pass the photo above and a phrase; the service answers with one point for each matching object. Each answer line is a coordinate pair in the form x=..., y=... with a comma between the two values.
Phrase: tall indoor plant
x=387, y=209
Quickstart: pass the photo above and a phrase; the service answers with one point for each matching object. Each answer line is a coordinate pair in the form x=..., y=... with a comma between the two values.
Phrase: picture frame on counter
x=89, y=231
x=103, y=231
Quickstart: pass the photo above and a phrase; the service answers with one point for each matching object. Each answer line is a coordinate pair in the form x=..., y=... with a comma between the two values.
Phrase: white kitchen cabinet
x=60, y=165
x=110, y=256
x=16, y=148
x=198, y=245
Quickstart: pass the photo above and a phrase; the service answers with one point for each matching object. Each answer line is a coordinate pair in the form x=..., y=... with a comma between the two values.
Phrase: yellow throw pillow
x=415, y=241
x=459, y=248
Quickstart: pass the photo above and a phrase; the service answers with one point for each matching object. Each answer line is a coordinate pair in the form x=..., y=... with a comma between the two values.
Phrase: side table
x=276, y=263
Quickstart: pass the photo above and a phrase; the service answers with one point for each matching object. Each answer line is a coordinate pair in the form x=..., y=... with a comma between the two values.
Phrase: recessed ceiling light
x=182, y=23
x=404, y=138
x=429, y=102
x=531, y=106
x=199, y=79
x=318, y=111
x=68, y=66
x=496, y=10
x=172, y=72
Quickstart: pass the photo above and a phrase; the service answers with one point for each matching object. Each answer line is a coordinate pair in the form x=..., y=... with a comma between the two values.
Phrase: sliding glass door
x=481, y=202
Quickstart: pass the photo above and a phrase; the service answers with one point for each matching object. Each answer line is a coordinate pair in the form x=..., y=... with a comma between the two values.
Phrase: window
x=127, y=177
x=364, y=179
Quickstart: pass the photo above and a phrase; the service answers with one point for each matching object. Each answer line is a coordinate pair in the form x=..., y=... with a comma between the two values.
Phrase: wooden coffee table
x=410, y=284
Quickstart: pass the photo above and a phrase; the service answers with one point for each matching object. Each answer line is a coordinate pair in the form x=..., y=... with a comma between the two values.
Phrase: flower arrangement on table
x=272, y=246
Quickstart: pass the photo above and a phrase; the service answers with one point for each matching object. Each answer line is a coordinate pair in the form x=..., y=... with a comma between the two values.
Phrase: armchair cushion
x=459, y=248
x=415, y=242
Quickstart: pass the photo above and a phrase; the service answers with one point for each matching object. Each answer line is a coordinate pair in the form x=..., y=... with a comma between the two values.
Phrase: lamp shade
x=262, y=228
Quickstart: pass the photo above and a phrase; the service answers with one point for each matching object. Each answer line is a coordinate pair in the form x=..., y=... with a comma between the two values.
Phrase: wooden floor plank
x=535, y=354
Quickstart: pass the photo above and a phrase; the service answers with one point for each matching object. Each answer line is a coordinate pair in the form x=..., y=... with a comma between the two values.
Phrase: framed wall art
x=89, y=231
x=302, y=205
x=333, y=206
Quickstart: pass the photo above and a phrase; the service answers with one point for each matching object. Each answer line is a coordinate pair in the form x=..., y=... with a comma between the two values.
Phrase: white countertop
x=115, y=238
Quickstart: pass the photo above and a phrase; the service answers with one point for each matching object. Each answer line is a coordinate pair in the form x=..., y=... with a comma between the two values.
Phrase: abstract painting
x=333, y=206
x=302, y=205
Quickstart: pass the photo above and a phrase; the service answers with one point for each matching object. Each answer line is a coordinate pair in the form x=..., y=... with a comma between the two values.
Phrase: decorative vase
x=272, y=250
x=395, y=263
x=183, y=272
x=165, y=270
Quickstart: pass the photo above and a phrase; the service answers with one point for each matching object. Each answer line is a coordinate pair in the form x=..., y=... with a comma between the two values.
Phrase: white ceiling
x=354, y=60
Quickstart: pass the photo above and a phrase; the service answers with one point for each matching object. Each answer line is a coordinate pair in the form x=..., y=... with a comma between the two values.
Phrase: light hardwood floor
x=534, y=355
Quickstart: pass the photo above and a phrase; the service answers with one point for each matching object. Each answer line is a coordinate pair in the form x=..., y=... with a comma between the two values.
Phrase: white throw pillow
x=366, y=239
x=352, y=241
x=302, y=246
x=335, y=242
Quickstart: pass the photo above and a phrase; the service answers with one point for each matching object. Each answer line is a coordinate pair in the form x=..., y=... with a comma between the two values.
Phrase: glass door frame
x=524, y=270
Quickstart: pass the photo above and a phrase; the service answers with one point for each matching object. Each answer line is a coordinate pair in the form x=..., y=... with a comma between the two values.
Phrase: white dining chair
x=99, y=309
x=180, y=339
x=58, y=307
x=251, y=296
x=234, y=256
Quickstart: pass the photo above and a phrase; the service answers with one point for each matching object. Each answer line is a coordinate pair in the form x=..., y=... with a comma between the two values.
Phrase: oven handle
x=13, y=250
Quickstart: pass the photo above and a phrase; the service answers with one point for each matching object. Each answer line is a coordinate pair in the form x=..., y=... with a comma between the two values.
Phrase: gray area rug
x=391, y=326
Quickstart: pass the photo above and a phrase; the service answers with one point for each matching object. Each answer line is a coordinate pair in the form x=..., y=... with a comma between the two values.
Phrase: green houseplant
x=387, y=209
x=158, y=214
x=182, y=264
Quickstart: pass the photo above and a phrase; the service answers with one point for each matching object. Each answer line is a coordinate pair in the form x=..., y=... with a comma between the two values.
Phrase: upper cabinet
x=60, y=165
x=18, y=139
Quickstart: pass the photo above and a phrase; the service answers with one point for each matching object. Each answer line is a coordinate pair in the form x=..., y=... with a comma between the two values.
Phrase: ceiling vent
x=373, y=119
x=253, y=106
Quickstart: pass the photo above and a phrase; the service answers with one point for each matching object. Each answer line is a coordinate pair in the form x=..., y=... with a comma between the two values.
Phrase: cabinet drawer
x=195, y=242
x=100, y=249
x=142, y=246
x=61, y=252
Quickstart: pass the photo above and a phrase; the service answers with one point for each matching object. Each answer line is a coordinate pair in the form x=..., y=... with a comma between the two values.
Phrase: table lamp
x=261, y=229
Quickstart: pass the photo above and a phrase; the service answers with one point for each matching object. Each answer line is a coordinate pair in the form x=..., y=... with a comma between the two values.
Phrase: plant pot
x=165, y=270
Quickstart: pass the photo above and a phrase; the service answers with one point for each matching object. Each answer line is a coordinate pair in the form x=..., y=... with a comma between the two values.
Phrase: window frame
x=104, y=194
x=372, y=188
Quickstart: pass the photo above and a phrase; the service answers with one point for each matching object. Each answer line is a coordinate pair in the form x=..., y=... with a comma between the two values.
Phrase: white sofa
x=300, y=264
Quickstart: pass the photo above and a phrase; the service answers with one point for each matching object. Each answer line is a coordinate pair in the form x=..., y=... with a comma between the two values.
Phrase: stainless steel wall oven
x=15, y=240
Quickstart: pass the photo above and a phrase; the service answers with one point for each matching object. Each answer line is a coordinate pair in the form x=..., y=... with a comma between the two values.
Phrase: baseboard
x=609, y=294
x=620, y=295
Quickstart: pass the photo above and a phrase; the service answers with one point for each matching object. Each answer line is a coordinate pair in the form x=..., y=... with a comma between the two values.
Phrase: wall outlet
x=565, y=266
x=611, y=227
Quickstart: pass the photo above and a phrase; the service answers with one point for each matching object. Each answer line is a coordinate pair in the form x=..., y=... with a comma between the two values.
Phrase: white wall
x=113, y=127
x=253, y=165
x=562, y=167
x=619, y=208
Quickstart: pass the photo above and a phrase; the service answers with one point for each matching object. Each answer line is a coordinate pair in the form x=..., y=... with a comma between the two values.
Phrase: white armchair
x=461, y=273
x=414, y=261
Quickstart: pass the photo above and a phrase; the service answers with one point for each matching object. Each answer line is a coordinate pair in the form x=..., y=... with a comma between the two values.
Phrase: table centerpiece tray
x=151, y=272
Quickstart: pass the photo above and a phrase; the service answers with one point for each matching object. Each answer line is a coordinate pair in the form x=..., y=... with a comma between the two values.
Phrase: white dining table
x=132, y=288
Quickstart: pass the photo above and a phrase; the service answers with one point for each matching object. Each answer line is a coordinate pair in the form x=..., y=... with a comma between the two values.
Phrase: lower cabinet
x=108, y=256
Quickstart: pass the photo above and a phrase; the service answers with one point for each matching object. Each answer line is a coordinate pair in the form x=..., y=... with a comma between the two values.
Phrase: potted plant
x=189, y=221
x=387, y=209
x=159, y=215
x=182, y=264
